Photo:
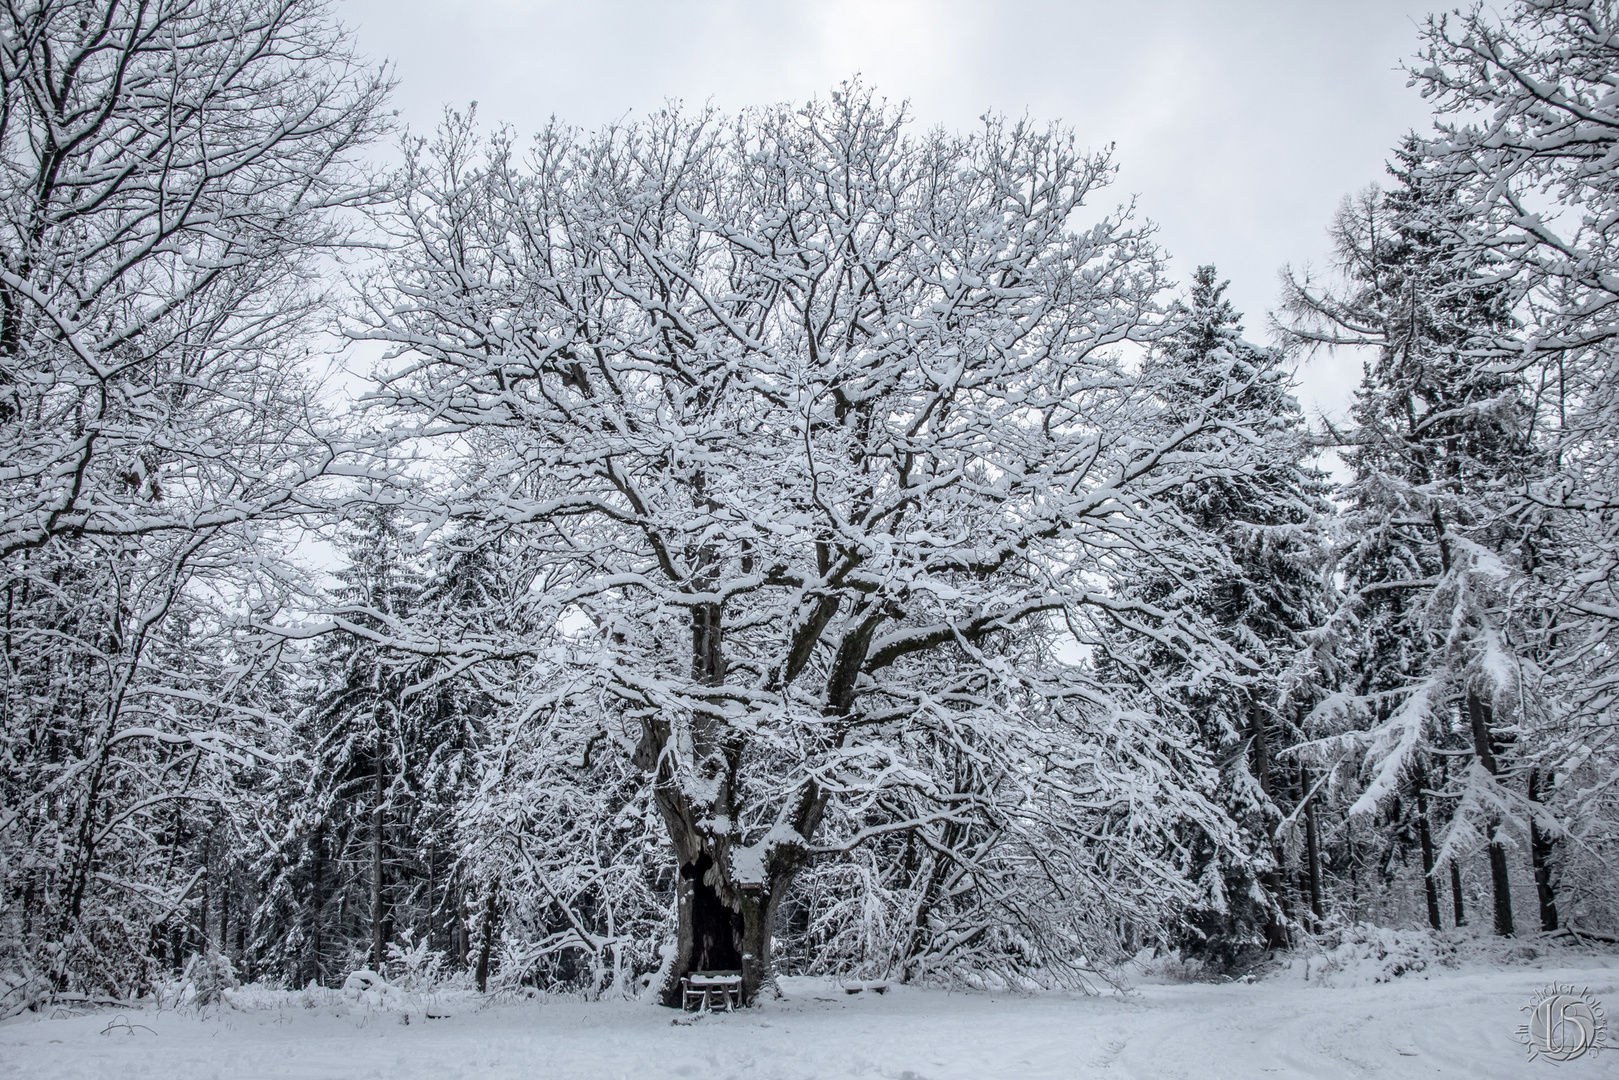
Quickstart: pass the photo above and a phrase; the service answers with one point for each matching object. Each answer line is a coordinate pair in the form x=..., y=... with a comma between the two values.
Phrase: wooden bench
x=878, y=986
x=711, y=987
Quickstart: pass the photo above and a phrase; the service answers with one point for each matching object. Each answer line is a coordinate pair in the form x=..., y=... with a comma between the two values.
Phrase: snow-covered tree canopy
x=784, y=539
x=174, y=176
x=1527, y=133
x=169, y=181
x=823, y=443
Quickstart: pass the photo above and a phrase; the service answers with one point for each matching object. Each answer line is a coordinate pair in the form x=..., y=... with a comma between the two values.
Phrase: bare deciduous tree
x=173, y=176
x=823, y=441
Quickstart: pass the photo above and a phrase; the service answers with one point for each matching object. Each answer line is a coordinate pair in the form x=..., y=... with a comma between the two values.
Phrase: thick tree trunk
x=1478, y=713
x=723, y=926
x=726, y=911
x=720, y=935
x=1430, y=887
x=1540, y=853
x=758, y=927
x=722, y=930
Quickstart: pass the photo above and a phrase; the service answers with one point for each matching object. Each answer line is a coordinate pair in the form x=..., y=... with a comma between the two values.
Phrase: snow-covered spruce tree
x=463, y=584
x=169, y=177
x=1433, y=550
x=1271, y=523
x=327, y=880
x=816, y=432
x=507, y=848
x=1528, y=124
x=376, y=770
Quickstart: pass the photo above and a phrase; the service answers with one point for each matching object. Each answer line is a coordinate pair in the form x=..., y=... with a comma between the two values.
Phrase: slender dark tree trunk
x=1276, y=936
x=376, y=869
x=1540, y=852
x=317, y=904
x=1500, y=883
x=1458, y=908
x=1430, y=887
x=431, y=908
x=487, y=945
x=463, y=933
x=1458, y=912
x=1478, y=713
x=1312, y=847
x=202, y=907
x=224, y=912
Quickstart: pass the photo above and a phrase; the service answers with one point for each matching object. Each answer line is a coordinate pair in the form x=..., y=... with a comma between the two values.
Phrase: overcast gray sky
x=1240, y=124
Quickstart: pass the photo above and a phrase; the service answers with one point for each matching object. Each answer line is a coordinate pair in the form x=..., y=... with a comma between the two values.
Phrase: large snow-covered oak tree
x=174, y=178
x=827, y=445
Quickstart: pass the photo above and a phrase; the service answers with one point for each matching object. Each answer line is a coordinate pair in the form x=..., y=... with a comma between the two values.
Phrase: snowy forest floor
x=1455, y=1021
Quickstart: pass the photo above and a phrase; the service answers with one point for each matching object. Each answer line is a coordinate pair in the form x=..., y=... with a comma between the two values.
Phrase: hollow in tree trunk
x=723, y=926
x=726, y=894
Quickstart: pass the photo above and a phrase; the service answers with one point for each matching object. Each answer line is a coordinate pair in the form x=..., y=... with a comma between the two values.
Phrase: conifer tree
x=1270, y=521
x=345, y=861
x=1525, y=135
x=1428, y=653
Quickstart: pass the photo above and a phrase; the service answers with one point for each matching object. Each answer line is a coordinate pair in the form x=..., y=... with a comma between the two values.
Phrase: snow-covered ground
x=1438, y=1022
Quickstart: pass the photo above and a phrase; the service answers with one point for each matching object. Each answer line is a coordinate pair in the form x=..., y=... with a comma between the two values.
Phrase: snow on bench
x=875, y=986
x=707, y=987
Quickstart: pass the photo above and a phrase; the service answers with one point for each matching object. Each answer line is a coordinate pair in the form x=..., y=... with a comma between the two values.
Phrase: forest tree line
x=785, y=541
